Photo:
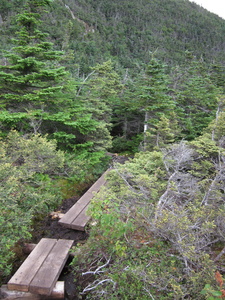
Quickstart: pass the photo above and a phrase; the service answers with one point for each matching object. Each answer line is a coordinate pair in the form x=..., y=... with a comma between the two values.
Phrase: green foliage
x=126, y=31
x=31, y=86
x=122, y=145
x=153, y=98
x=155, y=226
x=27, y=170
x=99, y=95
x=210, y=293
x=37, y=94
x=196, y=96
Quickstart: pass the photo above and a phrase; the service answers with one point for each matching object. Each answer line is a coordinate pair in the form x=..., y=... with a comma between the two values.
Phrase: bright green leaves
x=210, y=293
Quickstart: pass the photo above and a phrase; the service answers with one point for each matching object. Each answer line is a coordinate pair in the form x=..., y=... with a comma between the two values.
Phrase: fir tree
x=153, y=97
x=31, y=81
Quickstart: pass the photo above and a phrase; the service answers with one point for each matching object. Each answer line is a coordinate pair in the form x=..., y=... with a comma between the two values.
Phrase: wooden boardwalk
x=76, y=217
x=40, y=271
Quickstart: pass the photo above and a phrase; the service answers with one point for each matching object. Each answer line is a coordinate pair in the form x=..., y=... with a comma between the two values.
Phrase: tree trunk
x=145, y=129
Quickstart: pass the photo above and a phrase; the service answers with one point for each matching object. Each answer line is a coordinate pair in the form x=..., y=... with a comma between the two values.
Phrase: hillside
x=92, y=31
x=85, y=82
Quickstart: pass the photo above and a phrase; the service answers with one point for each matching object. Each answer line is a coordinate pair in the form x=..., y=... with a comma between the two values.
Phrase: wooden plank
x=81, y=221
x=25, y=274
x=46, y=277
x=76, y=217
x=57, y=293
x=76, y=209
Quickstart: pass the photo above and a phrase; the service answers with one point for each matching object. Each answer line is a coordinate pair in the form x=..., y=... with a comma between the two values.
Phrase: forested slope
x=126, y=31
x=140, y=78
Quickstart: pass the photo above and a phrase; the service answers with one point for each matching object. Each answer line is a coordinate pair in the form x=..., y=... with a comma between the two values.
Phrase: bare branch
x=149, y=293
x=96, y=283
x=97, y=271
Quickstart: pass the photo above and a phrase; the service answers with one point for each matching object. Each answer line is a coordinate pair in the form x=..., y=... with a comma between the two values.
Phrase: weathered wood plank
x=30, y=247
x=57, y=293
x=81, y=220
x=74, y=211
x=46, y=277
x=25, y=274
x=76, y=217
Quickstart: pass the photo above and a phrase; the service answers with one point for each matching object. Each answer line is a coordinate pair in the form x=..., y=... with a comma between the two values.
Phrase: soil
x=50, y=228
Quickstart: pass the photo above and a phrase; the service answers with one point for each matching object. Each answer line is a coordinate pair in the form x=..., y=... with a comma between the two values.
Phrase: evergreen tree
x=99, y=96
x=153, y=97
x=196, y=96
x=37, y=94
x=31, y=81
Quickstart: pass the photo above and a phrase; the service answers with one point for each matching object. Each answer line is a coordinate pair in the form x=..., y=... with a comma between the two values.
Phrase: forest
x=83, y=81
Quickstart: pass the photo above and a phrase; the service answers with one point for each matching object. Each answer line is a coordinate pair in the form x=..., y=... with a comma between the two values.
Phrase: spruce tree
x=152, y=94
x=100, y=95
x=32, y=82
x=196, y=96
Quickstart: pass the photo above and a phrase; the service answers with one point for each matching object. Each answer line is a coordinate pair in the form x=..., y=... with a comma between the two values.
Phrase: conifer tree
x=196, y=96
x=99, y=95
x=34, y=87
x=153, y=96
x=37, y=94
x=31, y=80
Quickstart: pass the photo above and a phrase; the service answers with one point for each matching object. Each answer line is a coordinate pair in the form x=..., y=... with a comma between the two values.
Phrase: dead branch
x=96, y=283
x=97, y=271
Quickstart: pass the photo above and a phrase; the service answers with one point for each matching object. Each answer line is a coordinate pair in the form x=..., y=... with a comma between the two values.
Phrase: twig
x=220, y=254
x=90, y=287
x=149, y=293
x=97, y=271
x=78, y=92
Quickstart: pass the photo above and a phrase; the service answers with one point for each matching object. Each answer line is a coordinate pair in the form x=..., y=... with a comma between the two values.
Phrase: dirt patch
x=49, y=227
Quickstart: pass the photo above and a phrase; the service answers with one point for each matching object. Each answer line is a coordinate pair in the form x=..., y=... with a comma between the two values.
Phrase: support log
x=57, y=293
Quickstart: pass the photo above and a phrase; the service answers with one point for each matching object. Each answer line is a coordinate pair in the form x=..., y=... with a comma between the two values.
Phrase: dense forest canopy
x=146, y=79
x=91, y=32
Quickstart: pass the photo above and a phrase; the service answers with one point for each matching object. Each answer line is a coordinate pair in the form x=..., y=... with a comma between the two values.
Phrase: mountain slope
x=128, y=31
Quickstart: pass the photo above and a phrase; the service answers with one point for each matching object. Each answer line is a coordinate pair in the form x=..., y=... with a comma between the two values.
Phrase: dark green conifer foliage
x=31, y=80
x=100, y=95
x=152, y=96
x=196, y=96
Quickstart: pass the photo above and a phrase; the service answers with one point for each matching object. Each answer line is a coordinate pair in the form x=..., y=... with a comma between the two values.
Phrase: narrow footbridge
x=76, y=217
x=37, y=277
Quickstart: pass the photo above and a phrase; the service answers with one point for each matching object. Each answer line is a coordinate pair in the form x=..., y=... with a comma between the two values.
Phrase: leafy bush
x=27, y=171
x=156, y=226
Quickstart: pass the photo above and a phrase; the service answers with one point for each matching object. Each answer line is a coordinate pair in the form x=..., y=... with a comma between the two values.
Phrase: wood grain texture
x=27, y=271
x=40, y=271
x=81, y=220
x=46, y=277
x=57, y=293
x=76, y=217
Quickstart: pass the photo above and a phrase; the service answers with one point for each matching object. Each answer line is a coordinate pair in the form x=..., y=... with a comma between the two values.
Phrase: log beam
x=57, y=293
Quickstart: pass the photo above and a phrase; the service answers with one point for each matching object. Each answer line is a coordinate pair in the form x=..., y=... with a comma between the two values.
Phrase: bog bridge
x=37, y=277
